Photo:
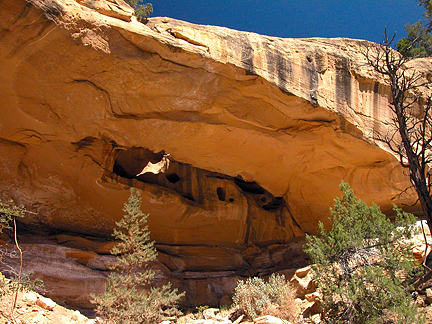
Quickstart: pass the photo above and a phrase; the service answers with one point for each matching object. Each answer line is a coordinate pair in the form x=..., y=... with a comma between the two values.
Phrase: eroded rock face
x=260, y=130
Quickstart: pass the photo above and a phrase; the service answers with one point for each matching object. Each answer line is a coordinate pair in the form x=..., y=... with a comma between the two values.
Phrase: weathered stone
x=233, y=98
x=238, y=320
x=84, y=244
x=303, y=285
x=301, y=273
x=30, y=298
x=77, y=316
x=268, y=319
x=316, y=318
x=210, y=313
x=260, y=131
x=64, y=279
x=315, y=296
x=45, y=303
x=112, y=8
x=429, y=295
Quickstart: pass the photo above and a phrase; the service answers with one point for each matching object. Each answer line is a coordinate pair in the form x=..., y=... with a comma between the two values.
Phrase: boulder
x=112, y=8
x=210, y=313
x=45, y=303
x=303, y=282
x=429, y=295
x=30, y=298
x=268, y=319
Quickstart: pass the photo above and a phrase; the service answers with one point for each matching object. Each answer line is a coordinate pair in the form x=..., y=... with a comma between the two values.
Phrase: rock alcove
x=184, y=179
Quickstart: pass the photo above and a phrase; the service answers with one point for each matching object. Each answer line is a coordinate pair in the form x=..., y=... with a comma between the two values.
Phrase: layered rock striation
x=259, y=131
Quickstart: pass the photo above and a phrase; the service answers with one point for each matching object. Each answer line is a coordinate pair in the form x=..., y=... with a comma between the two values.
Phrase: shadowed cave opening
x=264, y=198
x=221, y=193
x=179, y=177
x=173, y=177
x=149, y=167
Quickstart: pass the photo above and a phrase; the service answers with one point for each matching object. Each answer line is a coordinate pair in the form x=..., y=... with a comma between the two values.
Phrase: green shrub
x=363, y=265
x=255, y=297
x=141, y=11
x=129, y=297
x=8, y=211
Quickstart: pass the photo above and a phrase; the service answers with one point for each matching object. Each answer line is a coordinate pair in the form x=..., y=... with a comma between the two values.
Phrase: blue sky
x=362, y=19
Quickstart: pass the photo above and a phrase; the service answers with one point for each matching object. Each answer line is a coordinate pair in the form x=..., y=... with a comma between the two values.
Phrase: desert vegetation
x=130, y=296
x=255, y=296
x=141, y=10
x=364, y=264
x=17, y=281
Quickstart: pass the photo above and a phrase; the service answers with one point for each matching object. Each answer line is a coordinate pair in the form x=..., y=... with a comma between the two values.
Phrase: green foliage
x=250, y=296
x=418, y=43
x=419, y=40
x=363, y=264
x=141, y=10
x=129, y=297
x=427, y=4
x=7, y=212
x=254, y=295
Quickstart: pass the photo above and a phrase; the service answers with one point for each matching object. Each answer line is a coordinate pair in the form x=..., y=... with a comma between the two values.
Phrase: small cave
x=264, y=198
x=128, y=163
x=251, y=187
x=274, y=203
x=173, y=177
x=120, y=170
x=221, y=193
x=136, y=165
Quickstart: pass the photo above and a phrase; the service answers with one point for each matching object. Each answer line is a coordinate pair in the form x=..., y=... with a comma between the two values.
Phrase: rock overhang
x=294, y=116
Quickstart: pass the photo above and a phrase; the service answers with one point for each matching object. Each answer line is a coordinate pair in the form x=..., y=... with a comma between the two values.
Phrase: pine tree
x=363, y=265
x=129, y=297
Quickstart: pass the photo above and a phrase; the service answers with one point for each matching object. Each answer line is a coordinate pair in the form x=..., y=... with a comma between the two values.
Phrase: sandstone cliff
x=259, y=131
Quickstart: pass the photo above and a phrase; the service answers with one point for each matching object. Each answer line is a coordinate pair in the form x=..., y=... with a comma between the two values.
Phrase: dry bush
x=255, y=297
x=287, y=310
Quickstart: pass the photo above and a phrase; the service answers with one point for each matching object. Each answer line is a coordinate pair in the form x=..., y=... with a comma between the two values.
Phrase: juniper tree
x=141, y=10
x=363, y=264
x=130, y=297
x=419, y=40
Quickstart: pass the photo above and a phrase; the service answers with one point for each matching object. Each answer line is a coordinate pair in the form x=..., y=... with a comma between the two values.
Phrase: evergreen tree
x=427, y=4
x=419, y=40
x=363, y=264
x=129, y=297
x=141, y=10
x=418, y=43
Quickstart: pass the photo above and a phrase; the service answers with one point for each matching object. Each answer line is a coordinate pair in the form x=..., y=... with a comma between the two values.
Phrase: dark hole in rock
x=119, y=170
x=251, y=187
x=231, y=200
x=275, y=203
x=221, y=193
x=173, y=177
x=128, y=163
x=263, y=200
